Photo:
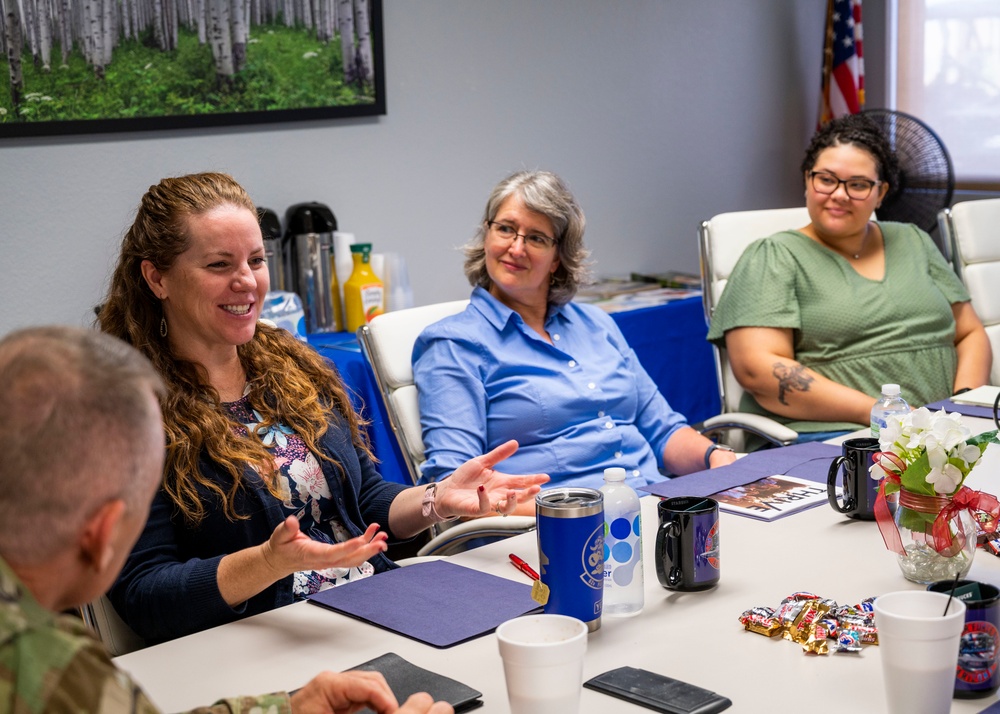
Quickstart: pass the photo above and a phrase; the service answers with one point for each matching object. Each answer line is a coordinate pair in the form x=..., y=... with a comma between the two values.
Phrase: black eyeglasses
x=826, y=183
x=508, y=234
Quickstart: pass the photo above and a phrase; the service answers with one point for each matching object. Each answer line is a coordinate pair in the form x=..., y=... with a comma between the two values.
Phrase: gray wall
x=658, y=113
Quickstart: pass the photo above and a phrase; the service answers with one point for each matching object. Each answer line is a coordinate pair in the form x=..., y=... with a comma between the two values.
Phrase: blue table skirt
x=670, y=343
x=668, y=339
x=343, y=350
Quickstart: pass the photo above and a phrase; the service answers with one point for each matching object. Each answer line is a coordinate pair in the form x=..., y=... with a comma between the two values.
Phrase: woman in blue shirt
x=523, y=361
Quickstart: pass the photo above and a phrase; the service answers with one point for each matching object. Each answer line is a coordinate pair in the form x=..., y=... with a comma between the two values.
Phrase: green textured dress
x=859, y=332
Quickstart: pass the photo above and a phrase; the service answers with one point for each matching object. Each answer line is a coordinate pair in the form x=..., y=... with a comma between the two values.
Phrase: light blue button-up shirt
x=576, y=407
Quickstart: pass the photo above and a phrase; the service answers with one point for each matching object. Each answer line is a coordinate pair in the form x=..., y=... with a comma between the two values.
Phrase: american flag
x=843, y=63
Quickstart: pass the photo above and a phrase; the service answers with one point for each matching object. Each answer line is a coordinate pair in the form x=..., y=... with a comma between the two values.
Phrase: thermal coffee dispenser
x=306, y=248
x=270, y=230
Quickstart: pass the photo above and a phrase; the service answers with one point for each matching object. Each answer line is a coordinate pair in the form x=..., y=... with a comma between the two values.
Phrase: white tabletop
x=695, y=637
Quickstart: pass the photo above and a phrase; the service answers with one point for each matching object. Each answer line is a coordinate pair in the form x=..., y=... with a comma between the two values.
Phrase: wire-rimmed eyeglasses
x=826, y=183
x=508, y=234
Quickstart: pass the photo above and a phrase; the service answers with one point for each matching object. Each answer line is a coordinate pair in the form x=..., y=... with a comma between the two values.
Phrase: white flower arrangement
x=931, y=452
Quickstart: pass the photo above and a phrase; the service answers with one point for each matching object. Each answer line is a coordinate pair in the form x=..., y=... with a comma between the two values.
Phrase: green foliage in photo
x=286, y=68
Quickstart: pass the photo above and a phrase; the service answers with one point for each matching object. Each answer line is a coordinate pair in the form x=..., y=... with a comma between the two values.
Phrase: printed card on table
x=772, y=497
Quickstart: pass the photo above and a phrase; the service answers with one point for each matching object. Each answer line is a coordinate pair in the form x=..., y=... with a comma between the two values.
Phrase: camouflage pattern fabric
x=52, y=663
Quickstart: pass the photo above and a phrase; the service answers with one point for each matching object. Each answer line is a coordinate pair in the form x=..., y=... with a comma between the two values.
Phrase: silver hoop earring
x=163, y=326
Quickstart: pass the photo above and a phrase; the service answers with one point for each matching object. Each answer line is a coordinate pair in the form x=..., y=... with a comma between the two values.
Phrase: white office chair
x=969, y=229
x=721, y=242
x=101, y=617
x=387, y=342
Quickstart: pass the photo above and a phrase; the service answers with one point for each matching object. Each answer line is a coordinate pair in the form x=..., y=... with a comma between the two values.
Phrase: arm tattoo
x=791, y=379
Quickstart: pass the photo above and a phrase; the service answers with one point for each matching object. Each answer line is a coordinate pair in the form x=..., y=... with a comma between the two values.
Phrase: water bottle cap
x=890, y=389
x=614, y=473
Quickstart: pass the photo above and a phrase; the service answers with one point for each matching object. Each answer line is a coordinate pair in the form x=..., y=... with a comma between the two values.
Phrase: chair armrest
x=762, y=426
x=414, y=560
x=464, y=531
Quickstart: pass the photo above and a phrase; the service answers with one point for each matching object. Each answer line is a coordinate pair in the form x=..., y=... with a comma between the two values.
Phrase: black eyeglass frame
x=529, y=238
x=868, y=182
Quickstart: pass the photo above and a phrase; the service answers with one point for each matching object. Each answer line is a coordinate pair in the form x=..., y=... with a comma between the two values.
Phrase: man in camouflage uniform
x=81, y=455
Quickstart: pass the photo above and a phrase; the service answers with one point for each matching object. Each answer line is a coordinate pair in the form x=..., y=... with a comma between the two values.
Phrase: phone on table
x=657, y=692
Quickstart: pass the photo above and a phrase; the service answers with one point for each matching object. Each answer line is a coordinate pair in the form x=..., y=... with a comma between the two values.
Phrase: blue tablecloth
x=670, y=343
x=343, y=350
x=668, y=339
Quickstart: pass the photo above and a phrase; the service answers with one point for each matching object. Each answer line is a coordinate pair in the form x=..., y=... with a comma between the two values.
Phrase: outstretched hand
x=349, y=692
x=289, y=550
x=477, y=489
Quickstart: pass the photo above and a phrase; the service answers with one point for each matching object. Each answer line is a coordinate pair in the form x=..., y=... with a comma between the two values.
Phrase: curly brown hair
x=288, y=381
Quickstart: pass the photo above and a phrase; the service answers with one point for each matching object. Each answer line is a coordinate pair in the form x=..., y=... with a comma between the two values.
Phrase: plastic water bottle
x=623, y=586
x=889, y=404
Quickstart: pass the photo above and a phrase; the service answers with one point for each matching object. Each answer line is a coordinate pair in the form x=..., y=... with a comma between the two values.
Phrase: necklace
x=864, y=243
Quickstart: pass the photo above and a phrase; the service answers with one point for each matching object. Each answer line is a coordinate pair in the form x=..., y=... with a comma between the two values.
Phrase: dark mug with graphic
x=687, y=543
x=979, y=649
x=860, y=489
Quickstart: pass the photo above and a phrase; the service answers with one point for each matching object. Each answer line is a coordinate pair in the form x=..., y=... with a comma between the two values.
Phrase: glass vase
x=926, y=561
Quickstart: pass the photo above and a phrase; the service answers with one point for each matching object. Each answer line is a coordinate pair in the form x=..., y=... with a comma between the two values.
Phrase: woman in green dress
x=817, y=319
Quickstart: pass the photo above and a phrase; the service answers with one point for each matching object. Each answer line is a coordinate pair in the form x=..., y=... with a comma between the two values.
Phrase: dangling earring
x=163, y=326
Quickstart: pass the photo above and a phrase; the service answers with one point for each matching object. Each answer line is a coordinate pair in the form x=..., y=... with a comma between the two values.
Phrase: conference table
x=694, y=637
x=668, y=339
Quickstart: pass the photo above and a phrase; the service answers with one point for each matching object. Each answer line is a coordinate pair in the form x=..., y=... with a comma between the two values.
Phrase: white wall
x=658, y=113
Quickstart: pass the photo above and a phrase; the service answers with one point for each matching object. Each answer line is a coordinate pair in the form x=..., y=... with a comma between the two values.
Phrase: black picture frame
x=375, y=107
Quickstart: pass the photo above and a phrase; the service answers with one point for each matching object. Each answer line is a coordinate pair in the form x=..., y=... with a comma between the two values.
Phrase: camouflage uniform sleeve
x=277, y=703
x=91, y=682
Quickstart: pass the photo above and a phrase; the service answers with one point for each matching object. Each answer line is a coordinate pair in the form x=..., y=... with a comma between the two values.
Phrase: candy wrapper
x=819, y=625
x=762, y=621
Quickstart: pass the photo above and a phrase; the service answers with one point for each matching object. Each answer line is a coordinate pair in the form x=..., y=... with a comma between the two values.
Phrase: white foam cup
x=918, y=645
x=543, y=663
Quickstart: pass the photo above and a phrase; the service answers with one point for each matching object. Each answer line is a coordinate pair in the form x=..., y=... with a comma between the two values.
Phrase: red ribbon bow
x=965, y=500
x=944, y=543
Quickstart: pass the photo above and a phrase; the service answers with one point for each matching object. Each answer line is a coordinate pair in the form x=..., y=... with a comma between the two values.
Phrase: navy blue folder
x=438, y=603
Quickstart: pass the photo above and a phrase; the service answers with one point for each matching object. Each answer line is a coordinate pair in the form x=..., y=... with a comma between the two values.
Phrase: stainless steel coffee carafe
x=270, y=230
x=307, y=249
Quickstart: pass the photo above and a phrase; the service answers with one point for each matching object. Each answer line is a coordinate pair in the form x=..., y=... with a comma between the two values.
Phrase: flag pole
x=825, y=111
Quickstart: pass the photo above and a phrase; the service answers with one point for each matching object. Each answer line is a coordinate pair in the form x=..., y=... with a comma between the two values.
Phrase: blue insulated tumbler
x=571, y=552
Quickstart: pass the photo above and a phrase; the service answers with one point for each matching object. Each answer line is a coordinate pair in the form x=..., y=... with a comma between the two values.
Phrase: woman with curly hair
x=524, y=361
x=270, y=492
x=817, y=319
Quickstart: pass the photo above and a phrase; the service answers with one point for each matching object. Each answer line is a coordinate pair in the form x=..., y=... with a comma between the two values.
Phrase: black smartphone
x=657, y=692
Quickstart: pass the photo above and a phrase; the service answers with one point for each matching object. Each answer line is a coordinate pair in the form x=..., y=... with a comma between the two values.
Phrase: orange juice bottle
x=364, y=293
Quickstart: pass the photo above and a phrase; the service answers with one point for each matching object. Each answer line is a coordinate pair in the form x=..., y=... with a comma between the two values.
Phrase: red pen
x=523, y=567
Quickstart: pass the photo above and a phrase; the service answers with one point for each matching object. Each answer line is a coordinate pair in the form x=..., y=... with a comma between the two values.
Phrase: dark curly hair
x=860, y=131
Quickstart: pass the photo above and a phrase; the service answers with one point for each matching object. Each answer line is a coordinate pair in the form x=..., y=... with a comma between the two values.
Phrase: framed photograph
x=91, y=66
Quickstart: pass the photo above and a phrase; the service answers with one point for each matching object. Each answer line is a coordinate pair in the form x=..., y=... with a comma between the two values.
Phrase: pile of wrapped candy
x=820, y=626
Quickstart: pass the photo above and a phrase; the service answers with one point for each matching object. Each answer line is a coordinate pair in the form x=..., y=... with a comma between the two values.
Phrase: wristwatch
x=428, y=505
x=710, y=449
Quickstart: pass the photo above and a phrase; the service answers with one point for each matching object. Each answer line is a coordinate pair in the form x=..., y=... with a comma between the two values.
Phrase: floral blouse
x=304, y=494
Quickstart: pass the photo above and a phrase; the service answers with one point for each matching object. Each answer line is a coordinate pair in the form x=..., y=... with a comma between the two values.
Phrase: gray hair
x=76, y=411
x=544, y=193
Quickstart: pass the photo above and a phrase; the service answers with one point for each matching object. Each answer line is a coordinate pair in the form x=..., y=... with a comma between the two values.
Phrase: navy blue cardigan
x=168, y=587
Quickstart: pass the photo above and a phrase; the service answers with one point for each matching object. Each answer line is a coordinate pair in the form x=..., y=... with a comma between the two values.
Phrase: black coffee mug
x=979, y=649
x=860, y=489
x=687, y=543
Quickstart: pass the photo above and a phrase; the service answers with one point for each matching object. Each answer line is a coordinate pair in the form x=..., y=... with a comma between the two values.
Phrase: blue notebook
x=438, y=603
x=810, y=460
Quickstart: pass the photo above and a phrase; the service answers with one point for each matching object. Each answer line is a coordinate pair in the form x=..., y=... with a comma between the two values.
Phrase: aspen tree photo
x=96, y=65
